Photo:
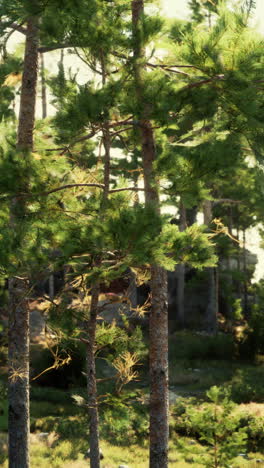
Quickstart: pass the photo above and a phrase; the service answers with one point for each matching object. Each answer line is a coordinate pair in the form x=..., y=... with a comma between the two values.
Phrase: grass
x=192, y=373
x=194, y=377
x=67, y=454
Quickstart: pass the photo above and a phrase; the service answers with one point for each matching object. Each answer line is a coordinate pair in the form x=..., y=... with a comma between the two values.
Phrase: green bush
x=186, y=345
x=248, y=385
x=183, y=425
x=66, y=428
x=254, y=427
x=50, y=394
x=124, y=421
x=216, y=426
x=252, y=342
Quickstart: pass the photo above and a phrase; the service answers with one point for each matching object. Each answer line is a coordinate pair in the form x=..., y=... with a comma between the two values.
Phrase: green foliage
x=251, y=342
x=237, y=309
x=254, y=426
x=247, y=385
x=188, y=346
x=201, y=9
x=51, y=395
x=112, y=341
x=218, y=428
x=125, y=421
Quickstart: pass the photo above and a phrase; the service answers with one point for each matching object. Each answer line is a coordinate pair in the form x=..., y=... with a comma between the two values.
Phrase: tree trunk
x=29, y=88
x=158, y=332
x=18, y=382
x=229, y=280
x=181, y=274
x=158, y=352
x=91, y=346
x=245, y=287
x=211, y=312
x=43, y=87
x=91, y=382
x=18, y=352
x=239, y=286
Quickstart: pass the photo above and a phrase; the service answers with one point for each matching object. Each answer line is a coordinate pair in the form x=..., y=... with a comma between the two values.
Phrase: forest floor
x=63, y=448
x=65, y=454
x=58, y=426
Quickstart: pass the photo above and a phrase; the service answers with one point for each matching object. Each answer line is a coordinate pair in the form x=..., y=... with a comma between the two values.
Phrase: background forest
x=131, y=181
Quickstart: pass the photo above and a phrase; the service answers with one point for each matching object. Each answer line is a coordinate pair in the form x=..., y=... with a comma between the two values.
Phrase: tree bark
x=91, y=382
x=29, y=87
x=181, y=274
x=18, y=352
x=158, y=324
x=91, y=346
x=211, y=312
x=229, y=280
x=245, y=286
x=18, y=381
x=43, y=87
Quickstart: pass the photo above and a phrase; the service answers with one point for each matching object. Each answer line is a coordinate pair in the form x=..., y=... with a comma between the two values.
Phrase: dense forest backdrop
x=131, y=183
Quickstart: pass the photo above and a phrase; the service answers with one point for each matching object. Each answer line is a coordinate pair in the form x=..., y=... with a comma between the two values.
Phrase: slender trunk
x=29, y=88
x=245, y=288
x=238, y=251
x=158, y=332
x=212, y=302
x=91, y=327
x=239, y=286
x=18, y=383
x=91, y=382
x=51, y=286
x=229, y=280
x=158, y=337
x=131, y=292
x=136, y=195
x=43, y=87
x=181, y=274
x=18, y=352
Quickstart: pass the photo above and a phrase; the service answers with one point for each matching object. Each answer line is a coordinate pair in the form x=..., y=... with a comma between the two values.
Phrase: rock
x=43, y=435
x=191, y=442
x=123, y=466
x=37, y=324
x=111, y=311
x=173, y=396
x=243, y=455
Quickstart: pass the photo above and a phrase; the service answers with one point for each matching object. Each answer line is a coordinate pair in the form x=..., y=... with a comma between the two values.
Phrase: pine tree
x=158, y=323
x=18, y=350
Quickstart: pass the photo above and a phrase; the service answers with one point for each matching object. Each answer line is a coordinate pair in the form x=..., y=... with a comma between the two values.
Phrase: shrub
x=218, y=428
x=50, y=395
x=252, y=342
x=254, y=427
x=186, y=345
x=248, y=385
x=124, y=421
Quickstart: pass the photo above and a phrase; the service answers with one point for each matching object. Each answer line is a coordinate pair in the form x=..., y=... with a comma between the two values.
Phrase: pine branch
x=121, y=131
x=63, y=149
x=202, y=82
x=226, y=200
x=163, y=65
x=66, y=45
x=69, y=186
x=167, y=69
x=132, y=189
x=17, y=27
